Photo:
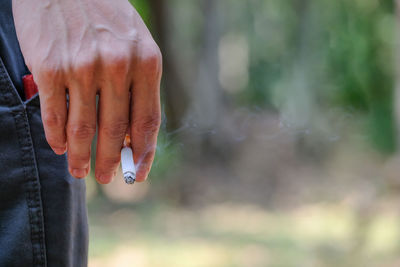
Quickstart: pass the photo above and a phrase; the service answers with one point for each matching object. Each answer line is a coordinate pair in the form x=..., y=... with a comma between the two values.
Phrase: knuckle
x=53, y=119
x=117, y=61
x=148, y=125
x=115, y=130
x=79, y=158
x=109, y=163
x=78, y=161
x=48, y=73
x=151, y=61
x=85, y=65
x=81, y=130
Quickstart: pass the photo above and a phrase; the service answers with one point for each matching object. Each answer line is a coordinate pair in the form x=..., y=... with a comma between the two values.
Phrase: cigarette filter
x=127, y=163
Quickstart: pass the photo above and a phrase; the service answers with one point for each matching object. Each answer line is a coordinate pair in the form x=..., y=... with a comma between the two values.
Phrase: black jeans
x=43, y=217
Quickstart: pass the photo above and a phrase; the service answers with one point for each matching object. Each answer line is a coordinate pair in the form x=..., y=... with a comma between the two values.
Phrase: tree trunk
x=176, y=98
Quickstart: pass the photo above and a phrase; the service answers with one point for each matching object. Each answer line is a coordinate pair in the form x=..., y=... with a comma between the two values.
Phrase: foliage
x=343, y=50
x=142, y=7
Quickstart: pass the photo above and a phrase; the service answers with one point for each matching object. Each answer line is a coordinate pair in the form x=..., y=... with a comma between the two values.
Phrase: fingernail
x=59, y=151
x=105, y=178
x=142, y=175
x=79, y=173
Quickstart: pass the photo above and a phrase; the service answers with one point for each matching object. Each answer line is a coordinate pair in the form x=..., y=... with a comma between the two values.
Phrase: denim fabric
x=9, y=47
x=43, y=217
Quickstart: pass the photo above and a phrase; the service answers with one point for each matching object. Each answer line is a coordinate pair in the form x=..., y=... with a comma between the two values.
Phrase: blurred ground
x=240, y=235
x=275, y=200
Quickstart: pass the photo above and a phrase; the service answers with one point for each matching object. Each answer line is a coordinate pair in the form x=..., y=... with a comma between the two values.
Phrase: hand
x=84, y=48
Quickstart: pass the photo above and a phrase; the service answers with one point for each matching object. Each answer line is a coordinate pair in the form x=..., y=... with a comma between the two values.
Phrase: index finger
x=146, y=112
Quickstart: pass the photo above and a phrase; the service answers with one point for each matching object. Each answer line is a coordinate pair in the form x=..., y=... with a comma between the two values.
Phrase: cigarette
x=127, y=163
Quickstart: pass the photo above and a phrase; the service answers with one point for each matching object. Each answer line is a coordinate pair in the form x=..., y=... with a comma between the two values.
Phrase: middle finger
x=81, y=128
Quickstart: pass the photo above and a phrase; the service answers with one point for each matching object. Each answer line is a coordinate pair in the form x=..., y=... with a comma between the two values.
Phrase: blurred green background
x=278, y=142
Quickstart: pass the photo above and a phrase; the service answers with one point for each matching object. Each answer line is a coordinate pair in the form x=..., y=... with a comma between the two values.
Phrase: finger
x=146, y=113
x=113, y=123
x=81, y=127
x=53, y=106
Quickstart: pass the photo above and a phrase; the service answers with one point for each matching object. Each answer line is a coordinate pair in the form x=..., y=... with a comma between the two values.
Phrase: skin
x=84, y=48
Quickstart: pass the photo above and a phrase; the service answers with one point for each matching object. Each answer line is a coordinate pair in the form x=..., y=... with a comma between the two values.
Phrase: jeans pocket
x=33, y=101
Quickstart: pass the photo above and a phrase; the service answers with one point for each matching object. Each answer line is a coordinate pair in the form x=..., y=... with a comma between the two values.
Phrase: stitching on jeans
x=28, y=163
x=33, y=198
x=33, y=202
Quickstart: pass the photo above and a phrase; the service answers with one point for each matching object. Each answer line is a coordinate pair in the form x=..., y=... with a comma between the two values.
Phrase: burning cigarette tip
x=129, y=178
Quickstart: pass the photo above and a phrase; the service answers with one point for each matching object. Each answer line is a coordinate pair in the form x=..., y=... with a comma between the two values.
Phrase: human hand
x=84, y=48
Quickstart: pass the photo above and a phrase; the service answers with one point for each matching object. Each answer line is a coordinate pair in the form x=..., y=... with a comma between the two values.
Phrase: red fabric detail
x=30, y=86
